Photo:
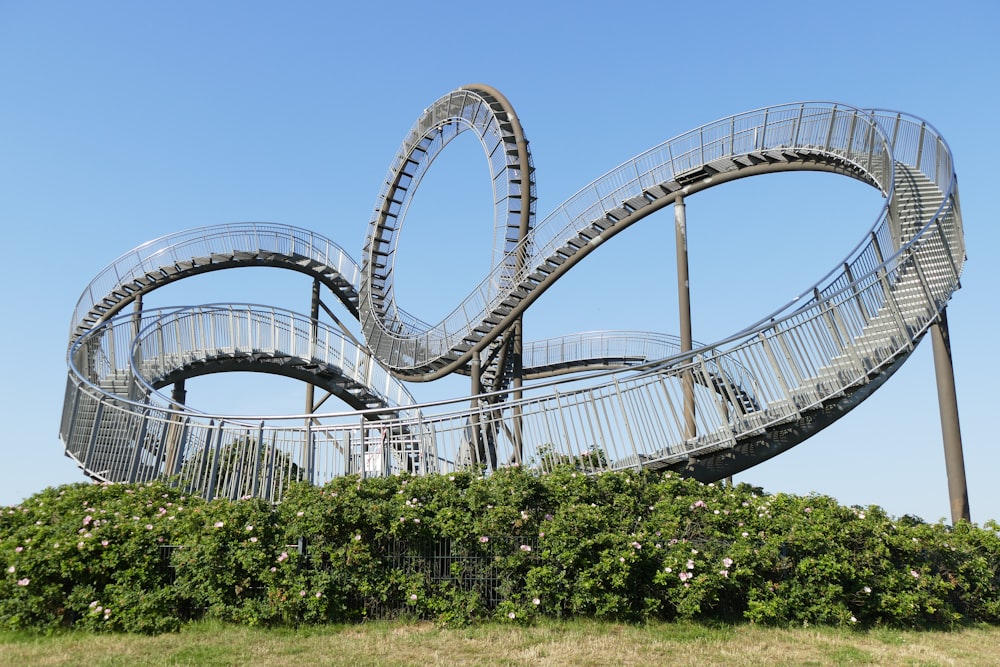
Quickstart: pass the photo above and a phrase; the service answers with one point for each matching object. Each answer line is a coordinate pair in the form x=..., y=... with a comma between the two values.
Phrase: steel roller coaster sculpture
x=601, y=401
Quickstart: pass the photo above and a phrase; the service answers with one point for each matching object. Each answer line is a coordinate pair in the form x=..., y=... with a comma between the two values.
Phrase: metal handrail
x=814, y=127
x=182, y=246
x=847, y=332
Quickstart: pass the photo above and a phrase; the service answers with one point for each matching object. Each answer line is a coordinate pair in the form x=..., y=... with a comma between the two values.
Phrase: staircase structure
x=611, y=400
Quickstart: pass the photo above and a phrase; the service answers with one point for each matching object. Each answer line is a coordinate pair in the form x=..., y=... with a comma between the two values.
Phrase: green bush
x=463, y=548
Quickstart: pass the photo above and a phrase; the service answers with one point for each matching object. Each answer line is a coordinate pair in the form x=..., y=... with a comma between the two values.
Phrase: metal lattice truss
x=603, y=400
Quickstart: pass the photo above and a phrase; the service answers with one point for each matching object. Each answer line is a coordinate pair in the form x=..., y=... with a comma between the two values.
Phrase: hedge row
x=463, y=548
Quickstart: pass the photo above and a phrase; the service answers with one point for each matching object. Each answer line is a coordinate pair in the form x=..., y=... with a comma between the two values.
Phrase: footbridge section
x=603, y=400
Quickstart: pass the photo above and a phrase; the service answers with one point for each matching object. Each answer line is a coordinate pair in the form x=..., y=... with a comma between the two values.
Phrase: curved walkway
x=745, y=398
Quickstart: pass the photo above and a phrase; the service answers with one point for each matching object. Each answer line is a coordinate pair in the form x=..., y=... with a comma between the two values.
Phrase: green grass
x=576, y=643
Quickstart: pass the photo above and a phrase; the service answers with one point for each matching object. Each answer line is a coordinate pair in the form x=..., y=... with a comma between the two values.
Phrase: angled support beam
x=951, y=432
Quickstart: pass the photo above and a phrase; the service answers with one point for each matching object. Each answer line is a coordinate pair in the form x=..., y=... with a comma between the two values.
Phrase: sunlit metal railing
x=851, y=134
x=149, y=261
x=839, y=336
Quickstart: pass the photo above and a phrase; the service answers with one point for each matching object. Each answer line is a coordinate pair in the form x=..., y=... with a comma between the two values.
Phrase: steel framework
x=605, y=400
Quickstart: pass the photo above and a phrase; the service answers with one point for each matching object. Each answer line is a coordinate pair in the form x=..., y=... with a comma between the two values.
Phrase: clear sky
x=121, y=122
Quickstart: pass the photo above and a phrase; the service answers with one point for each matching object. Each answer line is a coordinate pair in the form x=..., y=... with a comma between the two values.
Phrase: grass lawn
x=573, y=643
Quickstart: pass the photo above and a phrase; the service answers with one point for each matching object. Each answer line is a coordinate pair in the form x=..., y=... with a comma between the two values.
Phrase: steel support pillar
x=313, y=334
x=954, y=459
x=475, y=373
x=517, y=385
x=684, y=304
x=306, y=461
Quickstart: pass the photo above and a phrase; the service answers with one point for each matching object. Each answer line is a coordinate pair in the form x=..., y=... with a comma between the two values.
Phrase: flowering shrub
x=509, y=547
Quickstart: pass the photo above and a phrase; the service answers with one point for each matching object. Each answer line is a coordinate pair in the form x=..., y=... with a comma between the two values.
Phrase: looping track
x=755, y=394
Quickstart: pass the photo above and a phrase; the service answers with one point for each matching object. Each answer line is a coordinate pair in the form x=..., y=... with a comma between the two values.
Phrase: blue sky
x=122, y=122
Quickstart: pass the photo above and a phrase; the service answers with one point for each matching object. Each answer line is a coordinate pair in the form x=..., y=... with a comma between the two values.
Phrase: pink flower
x=219, y=524
x=319, y=595
x=684, y=576
x=18, y=550
x=302, y=594
x=727, y=562
x=511, y=615
x=536, y=601
x=484, y=539
x=283, y=556
x=525, y=547
x=915, y=574
x=23, y=582
x=12, y=569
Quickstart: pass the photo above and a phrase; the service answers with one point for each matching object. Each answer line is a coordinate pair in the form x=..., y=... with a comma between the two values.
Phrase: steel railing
x=838, y=335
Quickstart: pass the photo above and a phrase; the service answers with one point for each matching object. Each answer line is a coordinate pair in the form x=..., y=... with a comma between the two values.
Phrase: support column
x=314, y=314
x=954, y=459
x=178, y=396
x=477, y=388
x=306, y=461
x=684, y=304
x=517, y=384
x=175, y=429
